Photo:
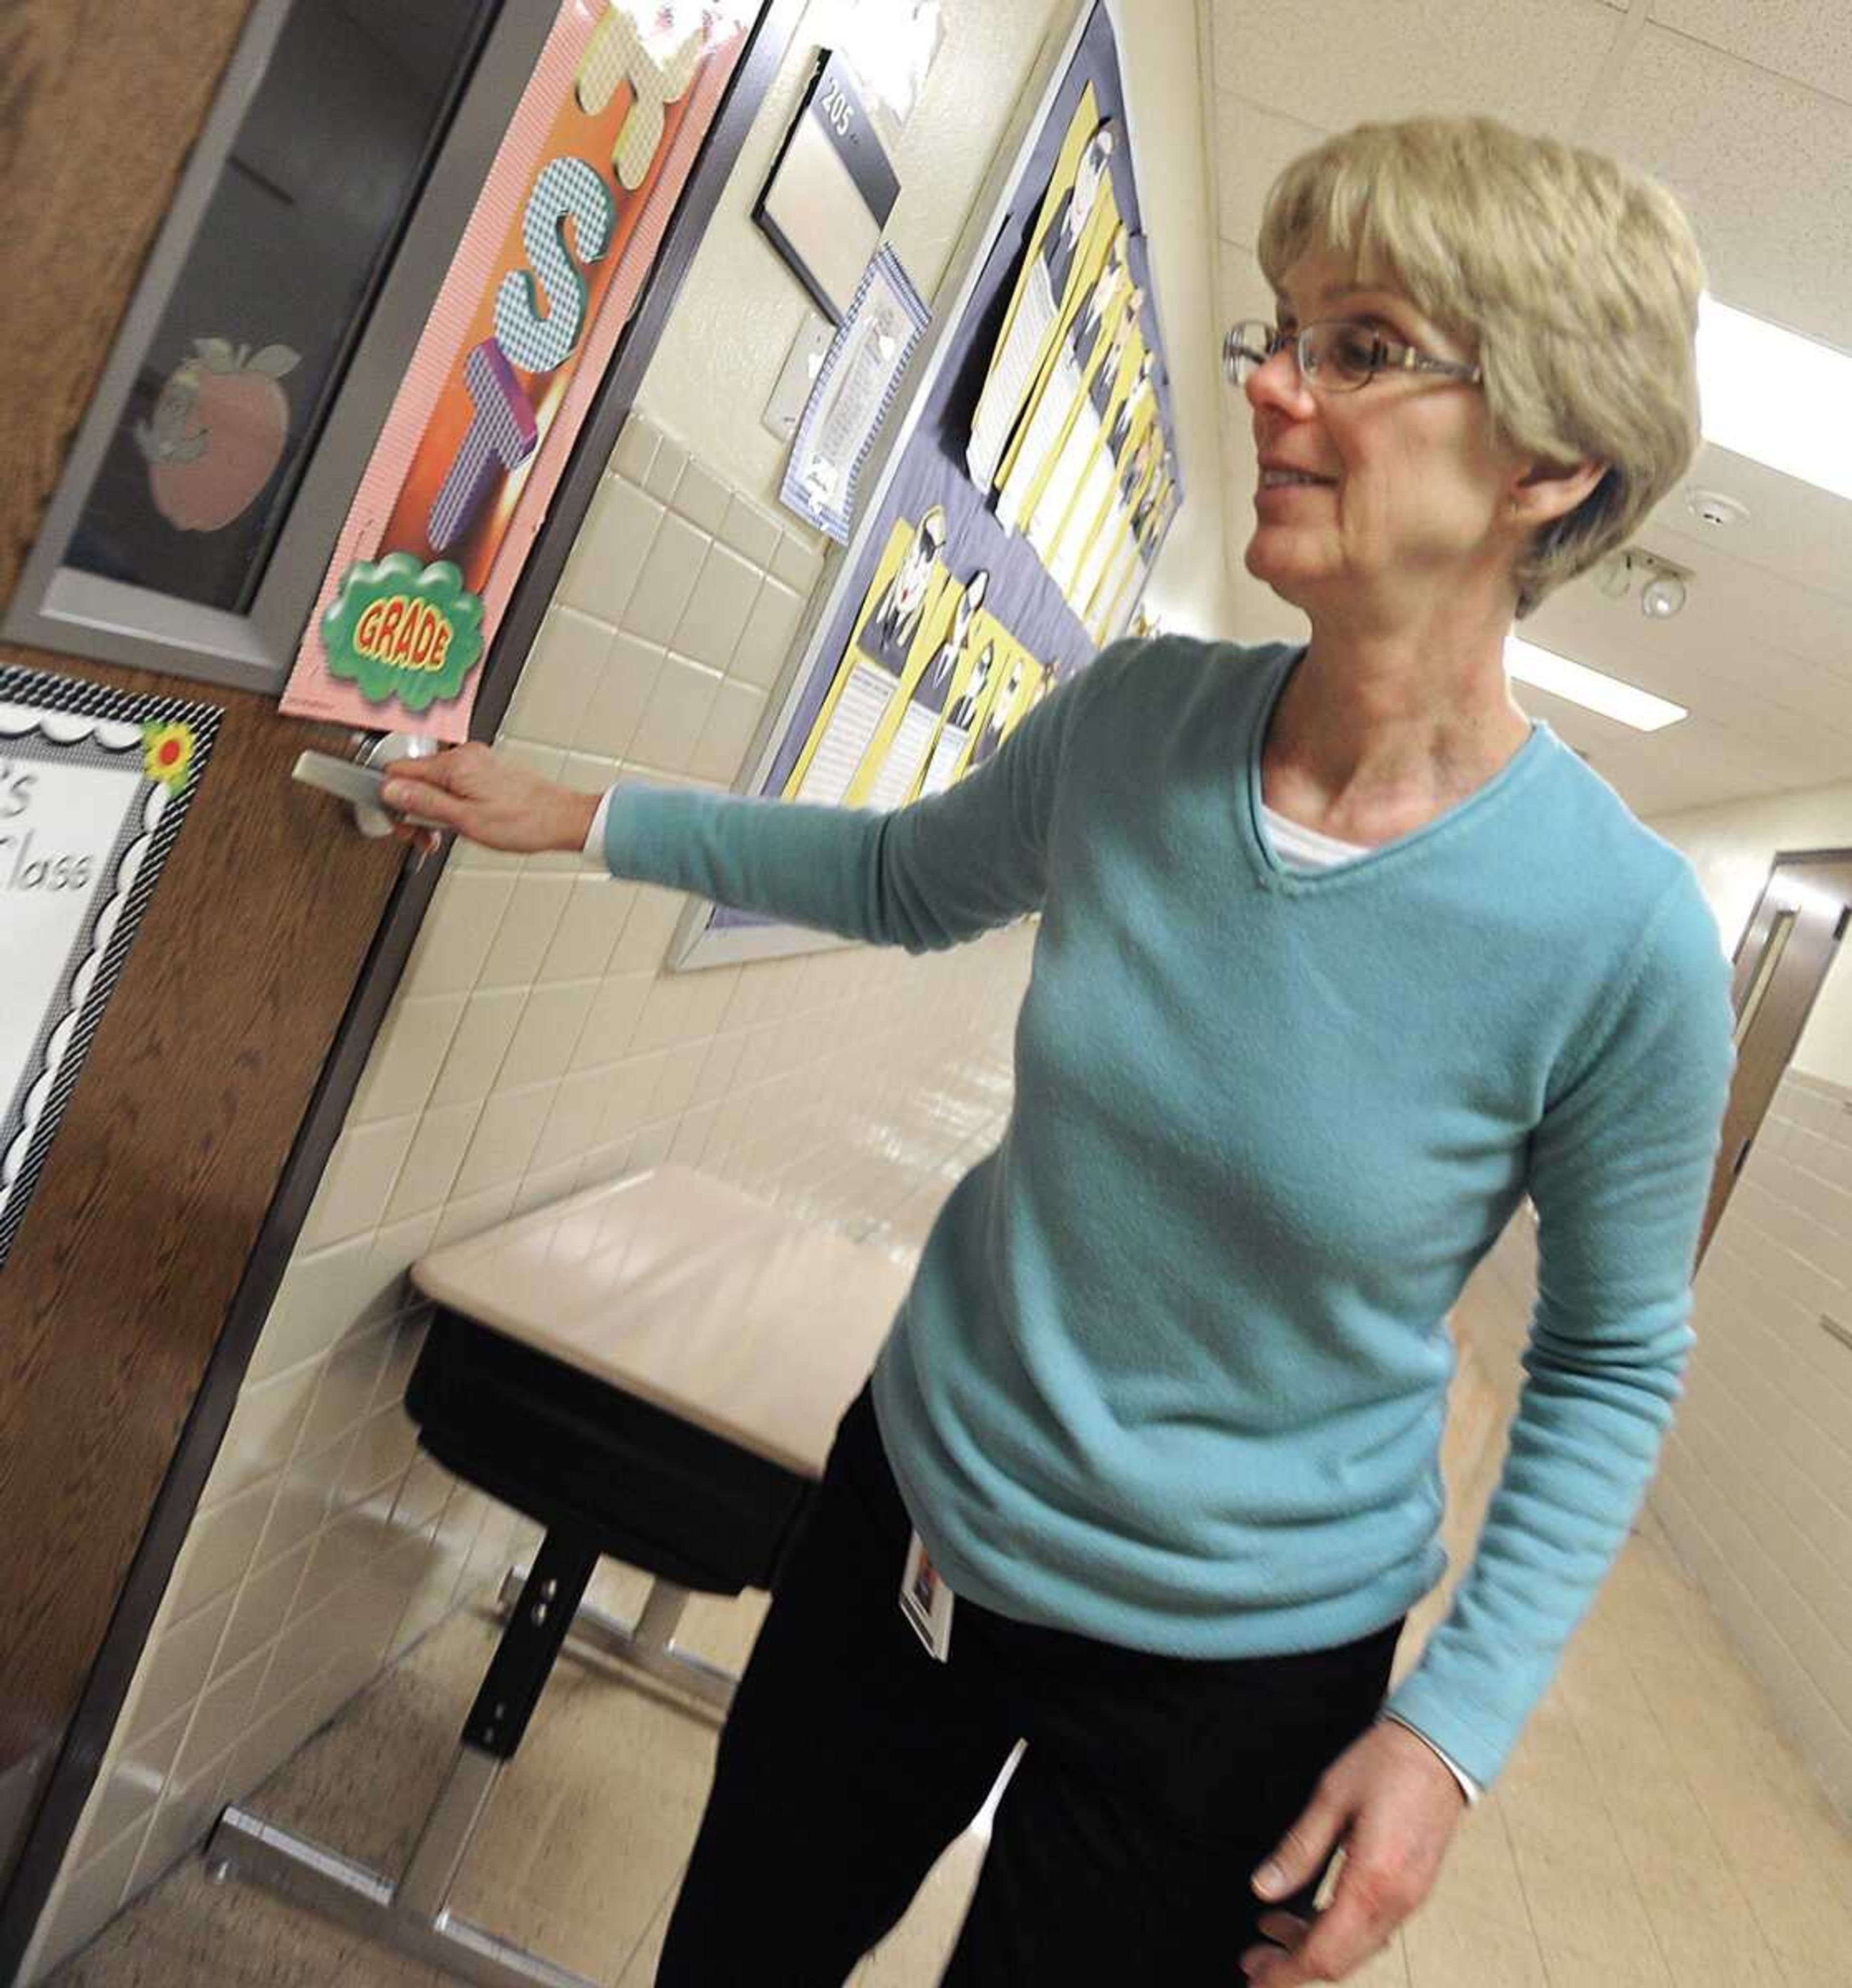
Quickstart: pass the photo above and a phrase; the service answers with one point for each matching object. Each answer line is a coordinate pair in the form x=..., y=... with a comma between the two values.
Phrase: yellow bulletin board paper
x=919, y=659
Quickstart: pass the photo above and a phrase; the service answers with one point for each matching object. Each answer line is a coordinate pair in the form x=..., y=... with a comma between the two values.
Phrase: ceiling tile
x=1808, y=41
x=1700, y=658
x=1260, y=615
x=1739, y=768
x=1252, y=148
x=1650, y=782
x=1794, y=530
x=1241, y=290
x=1349, y=60
x=1695, y=764
x=1765, y=166
x=1755, y=609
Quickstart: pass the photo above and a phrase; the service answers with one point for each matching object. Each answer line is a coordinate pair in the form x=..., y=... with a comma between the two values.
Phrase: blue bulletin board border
x=921, y=464
x=75, y=715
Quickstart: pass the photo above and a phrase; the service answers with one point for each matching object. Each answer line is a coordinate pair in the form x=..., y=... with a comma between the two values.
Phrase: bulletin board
x=1027, y=489
x=94, y=785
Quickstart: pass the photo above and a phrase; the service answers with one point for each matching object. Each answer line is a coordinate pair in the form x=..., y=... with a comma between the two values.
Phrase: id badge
x=926, y=1601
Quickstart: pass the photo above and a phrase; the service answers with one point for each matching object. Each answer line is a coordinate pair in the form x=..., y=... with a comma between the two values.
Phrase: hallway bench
x=653, y=1369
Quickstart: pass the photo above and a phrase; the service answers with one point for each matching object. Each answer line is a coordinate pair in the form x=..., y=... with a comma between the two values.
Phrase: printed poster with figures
x=94, y=786
x=554, y=257
x=1026, y=499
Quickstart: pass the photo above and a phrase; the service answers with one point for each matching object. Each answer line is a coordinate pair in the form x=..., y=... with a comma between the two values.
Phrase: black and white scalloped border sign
x=75, y=901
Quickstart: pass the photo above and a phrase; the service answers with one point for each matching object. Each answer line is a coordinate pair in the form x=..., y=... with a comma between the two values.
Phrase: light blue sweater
x=1173, y=1370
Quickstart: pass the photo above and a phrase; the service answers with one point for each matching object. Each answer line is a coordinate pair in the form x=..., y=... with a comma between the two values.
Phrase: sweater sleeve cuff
x=1468, y=1787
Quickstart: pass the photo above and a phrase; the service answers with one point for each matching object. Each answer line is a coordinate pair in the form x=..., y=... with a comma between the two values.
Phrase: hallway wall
x=1756, y=1491
x=1752, y=1488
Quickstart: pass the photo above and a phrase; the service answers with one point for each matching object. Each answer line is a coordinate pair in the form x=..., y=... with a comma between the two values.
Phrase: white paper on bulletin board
x=93, y=785
x=58, y=825
x=860, y=377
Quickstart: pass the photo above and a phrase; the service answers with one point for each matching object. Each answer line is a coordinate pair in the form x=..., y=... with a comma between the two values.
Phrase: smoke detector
x=1712, y=508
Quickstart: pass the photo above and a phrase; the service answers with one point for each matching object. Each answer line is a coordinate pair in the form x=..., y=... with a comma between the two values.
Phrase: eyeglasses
x=1335, y=357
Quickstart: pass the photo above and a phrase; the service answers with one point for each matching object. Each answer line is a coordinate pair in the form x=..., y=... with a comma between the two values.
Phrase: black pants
x=1151, y=1787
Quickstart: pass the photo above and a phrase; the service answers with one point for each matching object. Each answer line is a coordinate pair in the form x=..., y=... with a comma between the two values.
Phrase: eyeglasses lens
x=1335, y=357
x=1248, y=347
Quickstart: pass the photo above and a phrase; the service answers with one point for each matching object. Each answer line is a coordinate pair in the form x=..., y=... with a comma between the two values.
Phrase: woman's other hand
x=491, y=801
x=1389, y=1800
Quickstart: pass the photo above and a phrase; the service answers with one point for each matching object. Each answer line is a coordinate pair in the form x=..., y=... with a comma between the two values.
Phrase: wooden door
x=144, y=1220
x=1787, y=949
x=218, y=1079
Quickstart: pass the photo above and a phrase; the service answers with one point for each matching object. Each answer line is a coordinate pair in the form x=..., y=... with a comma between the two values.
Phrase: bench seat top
x=749, y=1323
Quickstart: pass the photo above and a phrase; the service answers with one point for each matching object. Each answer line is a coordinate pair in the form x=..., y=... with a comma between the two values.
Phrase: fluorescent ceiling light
x=1581, y=685
x=1775, y=397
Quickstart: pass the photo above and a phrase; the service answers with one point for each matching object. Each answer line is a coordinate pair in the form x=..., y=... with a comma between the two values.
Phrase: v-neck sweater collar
x=1272, y=874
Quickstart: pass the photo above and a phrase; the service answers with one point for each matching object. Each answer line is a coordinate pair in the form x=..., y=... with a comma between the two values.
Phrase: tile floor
x=1653, y=1828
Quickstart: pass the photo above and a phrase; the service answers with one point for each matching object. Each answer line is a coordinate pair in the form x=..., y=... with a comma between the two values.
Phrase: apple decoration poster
x=217, y=432
x=547, y=271
x=190, y=491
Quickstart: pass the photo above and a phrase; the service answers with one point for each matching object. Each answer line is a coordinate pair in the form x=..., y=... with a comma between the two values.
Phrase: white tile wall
x=1754, y=1491
x=533, y=1048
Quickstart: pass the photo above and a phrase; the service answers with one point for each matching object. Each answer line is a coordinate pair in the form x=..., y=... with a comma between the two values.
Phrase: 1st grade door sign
x=93, y=786
x=555, y=256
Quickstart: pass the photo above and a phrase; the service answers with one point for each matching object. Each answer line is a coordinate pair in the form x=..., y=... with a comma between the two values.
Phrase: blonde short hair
x=1570, y=278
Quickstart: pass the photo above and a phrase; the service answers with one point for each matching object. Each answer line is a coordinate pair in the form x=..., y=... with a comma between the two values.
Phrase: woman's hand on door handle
x=486, y=800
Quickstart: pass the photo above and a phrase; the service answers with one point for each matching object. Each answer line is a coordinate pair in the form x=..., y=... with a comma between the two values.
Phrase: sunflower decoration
x=167, y=754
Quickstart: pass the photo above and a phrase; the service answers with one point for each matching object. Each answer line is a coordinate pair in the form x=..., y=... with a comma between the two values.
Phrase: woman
x=1340, y=956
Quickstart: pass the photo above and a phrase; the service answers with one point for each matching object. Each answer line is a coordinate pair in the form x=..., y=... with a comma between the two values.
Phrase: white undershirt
x=594, y=840
x=1302, y=848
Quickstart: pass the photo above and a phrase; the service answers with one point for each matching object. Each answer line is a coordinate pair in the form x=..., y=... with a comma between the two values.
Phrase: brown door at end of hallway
x=201, y=1073
x=1787, y=949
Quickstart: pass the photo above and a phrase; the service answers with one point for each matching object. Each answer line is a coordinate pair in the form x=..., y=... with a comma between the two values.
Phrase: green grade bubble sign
x=399, y=630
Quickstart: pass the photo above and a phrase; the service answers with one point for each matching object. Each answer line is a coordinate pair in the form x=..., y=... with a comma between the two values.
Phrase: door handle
x=357, y=780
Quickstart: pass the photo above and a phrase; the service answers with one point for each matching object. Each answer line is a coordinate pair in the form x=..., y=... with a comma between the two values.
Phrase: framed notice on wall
x=1026, y=493
x=94, y=786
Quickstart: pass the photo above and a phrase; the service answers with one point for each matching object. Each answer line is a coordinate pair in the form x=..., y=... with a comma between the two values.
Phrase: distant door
x=1786, y=950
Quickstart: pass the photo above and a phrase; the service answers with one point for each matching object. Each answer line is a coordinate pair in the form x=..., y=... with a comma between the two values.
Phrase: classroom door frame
x=1789, y=942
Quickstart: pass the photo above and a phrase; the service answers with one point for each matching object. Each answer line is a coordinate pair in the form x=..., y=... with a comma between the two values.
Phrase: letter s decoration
x=566, y=187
